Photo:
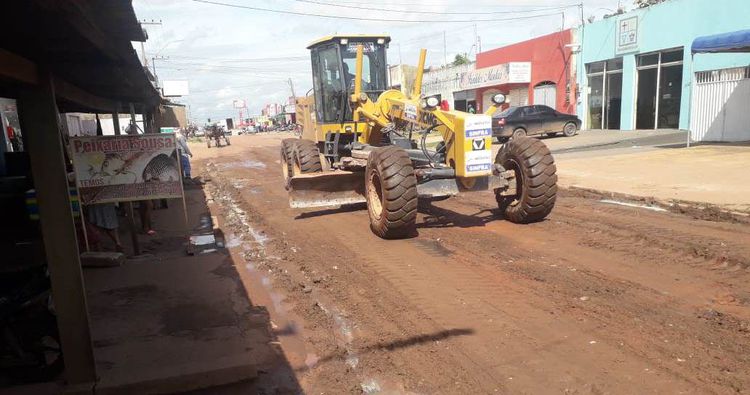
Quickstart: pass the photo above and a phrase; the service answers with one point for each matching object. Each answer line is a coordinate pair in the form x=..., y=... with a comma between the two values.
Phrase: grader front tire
x=536, y=180
x=287, y=161
x=306, y=158
x=391, y=192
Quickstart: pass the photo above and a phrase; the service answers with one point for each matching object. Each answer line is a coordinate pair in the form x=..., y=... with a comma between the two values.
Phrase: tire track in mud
x=696, y=333
x=519, y=289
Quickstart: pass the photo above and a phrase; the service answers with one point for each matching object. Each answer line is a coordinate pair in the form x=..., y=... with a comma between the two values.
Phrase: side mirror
x=498, y=99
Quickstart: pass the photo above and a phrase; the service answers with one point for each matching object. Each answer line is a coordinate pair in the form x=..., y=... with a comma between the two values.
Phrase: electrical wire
x=370, y=19
x=557, y=8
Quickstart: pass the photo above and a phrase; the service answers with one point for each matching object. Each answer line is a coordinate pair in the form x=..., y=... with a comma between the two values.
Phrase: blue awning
x=738, y=41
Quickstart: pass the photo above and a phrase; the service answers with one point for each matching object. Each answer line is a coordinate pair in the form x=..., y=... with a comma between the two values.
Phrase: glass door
x=646, y=103
x=670, y=93
x=596, y=96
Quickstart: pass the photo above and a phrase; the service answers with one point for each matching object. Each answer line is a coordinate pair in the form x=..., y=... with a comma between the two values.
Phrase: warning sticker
x=410, y=112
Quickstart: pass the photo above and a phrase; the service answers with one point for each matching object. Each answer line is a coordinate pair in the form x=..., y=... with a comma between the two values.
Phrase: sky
x=228, y=53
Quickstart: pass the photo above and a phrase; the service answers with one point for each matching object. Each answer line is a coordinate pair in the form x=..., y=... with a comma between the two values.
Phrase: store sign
x=519, y=72
x=627, y=35
x=516, y=72
x=126, y=168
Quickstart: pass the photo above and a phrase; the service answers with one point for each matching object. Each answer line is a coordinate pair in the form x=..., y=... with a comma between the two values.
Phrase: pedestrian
x=184, y=153
x=13, y=139
x=104, y=217
x=472, y=110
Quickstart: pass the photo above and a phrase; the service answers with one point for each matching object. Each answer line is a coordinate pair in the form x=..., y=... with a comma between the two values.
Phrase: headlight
x=498, y=99
x=344, y=41
x=432, y=102
x=381, y=41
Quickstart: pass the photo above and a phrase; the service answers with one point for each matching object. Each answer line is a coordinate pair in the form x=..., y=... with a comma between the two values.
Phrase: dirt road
x=599, y=298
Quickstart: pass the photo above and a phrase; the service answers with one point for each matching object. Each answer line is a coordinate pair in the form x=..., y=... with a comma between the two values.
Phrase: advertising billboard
x=175, y=88
x=126, y=168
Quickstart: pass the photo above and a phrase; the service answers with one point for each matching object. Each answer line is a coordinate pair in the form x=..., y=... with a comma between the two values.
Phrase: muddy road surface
x=599, y=298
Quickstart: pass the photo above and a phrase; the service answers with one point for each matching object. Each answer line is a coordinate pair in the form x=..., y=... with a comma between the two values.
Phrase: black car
x=533, y=120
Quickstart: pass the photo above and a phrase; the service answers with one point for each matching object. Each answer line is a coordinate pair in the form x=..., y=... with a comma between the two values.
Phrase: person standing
x=184, y=152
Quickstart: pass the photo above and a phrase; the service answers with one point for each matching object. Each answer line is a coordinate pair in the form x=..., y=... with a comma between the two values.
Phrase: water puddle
x=246, y=164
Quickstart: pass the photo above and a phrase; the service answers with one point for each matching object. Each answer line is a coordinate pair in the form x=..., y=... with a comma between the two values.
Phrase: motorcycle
x=30, y=344
x=216, y=133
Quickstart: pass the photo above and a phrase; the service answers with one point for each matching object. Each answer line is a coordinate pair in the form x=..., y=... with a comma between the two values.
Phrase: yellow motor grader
x=362, y=142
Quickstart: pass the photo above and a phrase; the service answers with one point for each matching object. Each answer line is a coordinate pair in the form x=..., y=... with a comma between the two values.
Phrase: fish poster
x=126, y=168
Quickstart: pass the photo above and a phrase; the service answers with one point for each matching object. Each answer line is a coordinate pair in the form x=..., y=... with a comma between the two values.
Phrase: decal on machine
x=410, y=111
x=478, y=126
x=477, y=151
x=478, y=144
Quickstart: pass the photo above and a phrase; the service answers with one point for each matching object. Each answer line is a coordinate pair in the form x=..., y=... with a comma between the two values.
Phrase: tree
x=647, y=3
x=460, y=59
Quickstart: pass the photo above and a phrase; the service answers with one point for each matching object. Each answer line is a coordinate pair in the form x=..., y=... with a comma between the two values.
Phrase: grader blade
x=333, y=188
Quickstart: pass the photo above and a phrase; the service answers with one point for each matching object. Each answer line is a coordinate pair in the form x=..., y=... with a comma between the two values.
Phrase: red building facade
x=553, y=79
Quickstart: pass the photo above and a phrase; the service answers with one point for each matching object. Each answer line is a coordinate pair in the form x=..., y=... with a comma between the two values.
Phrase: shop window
x=648, y=60
x=672, y=56
x=659, y=90
x=614, y=64
x=596, y=67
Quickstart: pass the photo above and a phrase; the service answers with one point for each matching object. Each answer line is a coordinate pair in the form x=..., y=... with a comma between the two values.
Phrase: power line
x=448, y=4
x=369, y=19
x=241, y=60
x=556, y=8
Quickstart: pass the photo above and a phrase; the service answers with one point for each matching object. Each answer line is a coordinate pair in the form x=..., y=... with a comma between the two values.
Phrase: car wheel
x=570, y=129
x=520, y=132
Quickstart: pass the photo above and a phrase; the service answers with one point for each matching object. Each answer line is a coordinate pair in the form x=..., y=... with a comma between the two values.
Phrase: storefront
x=541, y=71
x=634, y=74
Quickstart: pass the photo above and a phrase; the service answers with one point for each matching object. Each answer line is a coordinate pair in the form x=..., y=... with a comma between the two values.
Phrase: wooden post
x=116, y=120
x=129, y=205
x=38, y=114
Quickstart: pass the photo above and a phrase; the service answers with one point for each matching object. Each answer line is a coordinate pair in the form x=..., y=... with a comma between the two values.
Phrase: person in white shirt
x=184, y=151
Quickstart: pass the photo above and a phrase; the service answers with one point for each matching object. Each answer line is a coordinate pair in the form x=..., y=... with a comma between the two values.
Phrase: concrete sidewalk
x=714, y=174
x=592, y=140
x=172, y=322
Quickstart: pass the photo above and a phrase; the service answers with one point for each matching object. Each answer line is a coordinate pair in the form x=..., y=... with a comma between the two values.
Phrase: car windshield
x=505, y=113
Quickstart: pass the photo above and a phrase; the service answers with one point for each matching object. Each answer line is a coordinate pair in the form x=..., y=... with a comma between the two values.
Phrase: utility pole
x=445, y=50
x=153, y=66
x=476, y=40
x=291, y=86
x=143, y=49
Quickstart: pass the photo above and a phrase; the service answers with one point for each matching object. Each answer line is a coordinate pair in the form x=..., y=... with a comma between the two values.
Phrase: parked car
x=533, y=120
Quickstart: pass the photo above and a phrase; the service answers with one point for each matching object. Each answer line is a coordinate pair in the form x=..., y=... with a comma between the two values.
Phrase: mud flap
x=333, y=188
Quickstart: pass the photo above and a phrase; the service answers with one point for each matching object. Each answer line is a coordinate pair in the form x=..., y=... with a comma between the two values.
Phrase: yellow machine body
x=467, y=137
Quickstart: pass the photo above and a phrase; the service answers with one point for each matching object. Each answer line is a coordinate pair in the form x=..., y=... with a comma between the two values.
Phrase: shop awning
x=738, y=41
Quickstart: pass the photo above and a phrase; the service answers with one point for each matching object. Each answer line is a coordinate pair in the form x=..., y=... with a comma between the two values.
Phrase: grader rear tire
x=306, y=158
x=536, y=180
x=391, y=192
x=287, y=150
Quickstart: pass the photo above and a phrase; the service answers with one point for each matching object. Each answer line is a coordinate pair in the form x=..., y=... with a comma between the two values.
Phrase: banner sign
x=506, y=73
x=126, y=168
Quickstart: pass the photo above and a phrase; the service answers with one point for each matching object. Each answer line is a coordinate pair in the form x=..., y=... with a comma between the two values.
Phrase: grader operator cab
x=362, y=142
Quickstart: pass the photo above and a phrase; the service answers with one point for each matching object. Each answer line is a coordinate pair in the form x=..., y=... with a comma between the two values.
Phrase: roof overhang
x=84, y=44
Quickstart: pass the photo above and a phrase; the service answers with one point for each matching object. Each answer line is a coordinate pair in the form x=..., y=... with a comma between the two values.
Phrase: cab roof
x=337, y=37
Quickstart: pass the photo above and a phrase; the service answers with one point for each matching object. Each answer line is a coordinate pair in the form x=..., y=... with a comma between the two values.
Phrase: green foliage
x=647, y=3
x=460, y=59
